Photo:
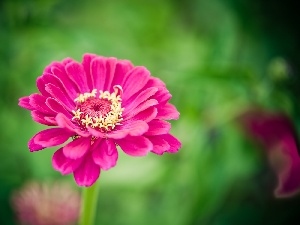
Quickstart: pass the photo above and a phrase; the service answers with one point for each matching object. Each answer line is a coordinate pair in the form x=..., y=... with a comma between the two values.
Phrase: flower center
x=102, y=113
x=95, y=107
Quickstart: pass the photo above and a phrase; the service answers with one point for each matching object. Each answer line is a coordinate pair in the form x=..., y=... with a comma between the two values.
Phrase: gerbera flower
x=277, y=135
x=46, y=204
x=99, y=104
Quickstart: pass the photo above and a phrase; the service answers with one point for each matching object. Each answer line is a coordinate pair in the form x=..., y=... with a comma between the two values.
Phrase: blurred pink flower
x=277, y=134
x=46, y=204
x=100, y=103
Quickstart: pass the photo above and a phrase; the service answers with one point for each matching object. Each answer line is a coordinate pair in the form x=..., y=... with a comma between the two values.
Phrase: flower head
x=276, y=133
x=46, y=204
x=96, y=105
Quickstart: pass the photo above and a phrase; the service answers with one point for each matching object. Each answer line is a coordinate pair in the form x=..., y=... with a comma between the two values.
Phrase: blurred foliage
x=217, y=58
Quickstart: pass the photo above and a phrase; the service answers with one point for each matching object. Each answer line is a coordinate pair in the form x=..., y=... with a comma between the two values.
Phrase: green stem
x=89, y=205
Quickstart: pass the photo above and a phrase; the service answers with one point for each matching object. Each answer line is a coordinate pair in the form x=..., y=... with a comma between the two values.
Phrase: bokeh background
x=217, y=58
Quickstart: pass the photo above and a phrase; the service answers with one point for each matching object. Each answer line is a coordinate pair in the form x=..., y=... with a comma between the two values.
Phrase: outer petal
x=33, y=146
x=68, y=90
x=96, y=133
x=77, y=148
x=64, y=122
x=167, y=112
x=41, y=84
x=155, y=82
x=24, y=103
x=55, y=106
x=50, y=137
x=121, y=72
x=160, y=145
x=38, y=102
x=60, y=96
x=134, y=101
x=135, y=146
x=86, y=63
x=67, y=61
x=133, y=128
x=63, y=164
x=98, y=70
x=87, y=173
x=59, y=72
x=174, y=143
x=136, y=80
x=105, y=154
x=77, y=75
x=146, y=115
x=39, y=117
x=110, y=72
x=157, y=127
x=162, y=95
x=143, y=106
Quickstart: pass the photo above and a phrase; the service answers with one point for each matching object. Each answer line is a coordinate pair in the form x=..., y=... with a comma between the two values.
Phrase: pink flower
x=100, y=103
x=46, y=204
x=276, y=133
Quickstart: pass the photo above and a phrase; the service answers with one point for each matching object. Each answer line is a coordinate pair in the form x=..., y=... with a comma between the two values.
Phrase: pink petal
x=146, y=115
x=157, y=127
x=64, y=122
x=98, y=70
x=77, y=148
x=55, y=64
x=69, y=86
x=41, y=118
x=133, y=128
x=105, y=154
x=88, y=172
x=162, y=95
x=67, y=60
x=134, y=101
x=55, y=106
x=121, y=71
x=167, y=112
x=77, y=75
x=86, y=63
x=33, y=146
x=68, y=90
x=41, y=84
x=116, y=133
x=60, y=96
x=136, y=80
x=64, y=165
x=24, y=103
x=50, y=119
x=155, y=82
x=136, y=128
x=38, y=102
x=49, y=78
x=52, y=137
x=174, y=143
x=110, y=72
x=286, y=162
x=135, y=146
x=160, y=145
x=145, y=105
x=96, y=133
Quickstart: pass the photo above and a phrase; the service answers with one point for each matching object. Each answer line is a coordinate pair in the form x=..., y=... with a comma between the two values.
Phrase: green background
x=216, y=57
